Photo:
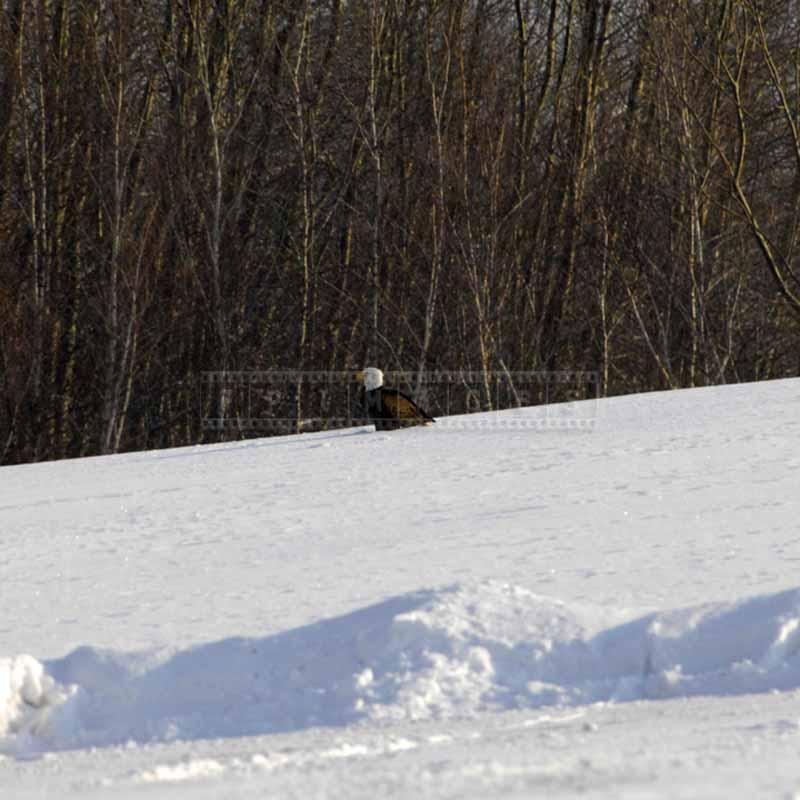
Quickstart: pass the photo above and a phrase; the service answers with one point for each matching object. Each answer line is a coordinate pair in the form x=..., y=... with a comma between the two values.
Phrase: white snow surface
x=515, y=604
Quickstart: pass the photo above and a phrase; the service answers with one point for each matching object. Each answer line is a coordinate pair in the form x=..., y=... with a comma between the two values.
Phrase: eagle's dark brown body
x=390, y=409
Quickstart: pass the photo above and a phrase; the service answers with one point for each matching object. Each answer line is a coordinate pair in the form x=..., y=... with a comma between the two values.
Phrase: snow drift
x=27, y=696
x=448, y=653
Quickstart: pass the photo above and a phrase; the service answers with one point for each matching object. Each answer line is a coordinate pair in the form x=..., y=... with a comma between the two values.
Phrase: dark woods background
x=482, y=185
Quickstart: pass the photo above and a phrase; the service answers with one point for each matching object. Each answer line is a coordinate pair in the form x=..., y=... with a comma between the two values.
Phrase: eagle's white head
x=373, y=378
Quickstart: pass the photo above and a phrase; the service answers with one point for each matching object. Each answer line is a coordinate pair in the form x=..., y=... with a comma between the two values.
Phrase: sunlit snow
x=495, y=605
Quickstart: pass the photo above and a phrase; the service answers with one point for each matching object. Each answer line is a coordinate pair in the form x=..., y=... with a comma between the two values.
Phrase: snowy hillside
x=498, y=605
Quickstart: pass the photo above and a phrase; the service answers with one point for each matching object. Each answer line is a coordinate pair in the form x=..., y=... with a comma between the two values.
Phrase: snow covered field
x=504, y=605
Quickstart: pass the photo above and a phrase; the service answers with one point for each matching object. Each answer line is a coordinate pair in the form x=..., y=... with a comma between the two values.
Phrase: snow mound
x=28, y=697
x=502, y=647
x=453, y=652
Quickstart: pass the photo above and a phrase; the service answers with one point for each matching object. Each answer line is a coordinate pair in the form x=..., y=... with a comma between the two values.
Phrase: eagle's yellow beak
x=360, y=376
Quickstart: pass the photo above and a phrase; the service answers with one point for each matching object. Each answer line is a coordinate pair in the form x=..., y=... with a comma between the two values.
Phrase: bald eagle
x=389, y=408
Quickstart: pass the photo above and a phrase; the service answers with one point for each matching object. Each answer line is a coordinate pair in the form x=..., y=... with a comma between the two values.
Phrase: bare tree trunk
x=596, y=17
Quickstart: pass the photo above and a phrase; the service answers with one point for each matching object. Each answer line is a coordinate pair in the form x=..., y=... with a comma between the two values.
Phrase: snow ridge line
x=435, y=654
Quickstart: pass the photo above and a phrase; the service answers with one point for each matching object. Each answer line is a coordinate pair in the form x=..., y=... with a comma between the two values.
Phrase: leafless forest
x=478, y=185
